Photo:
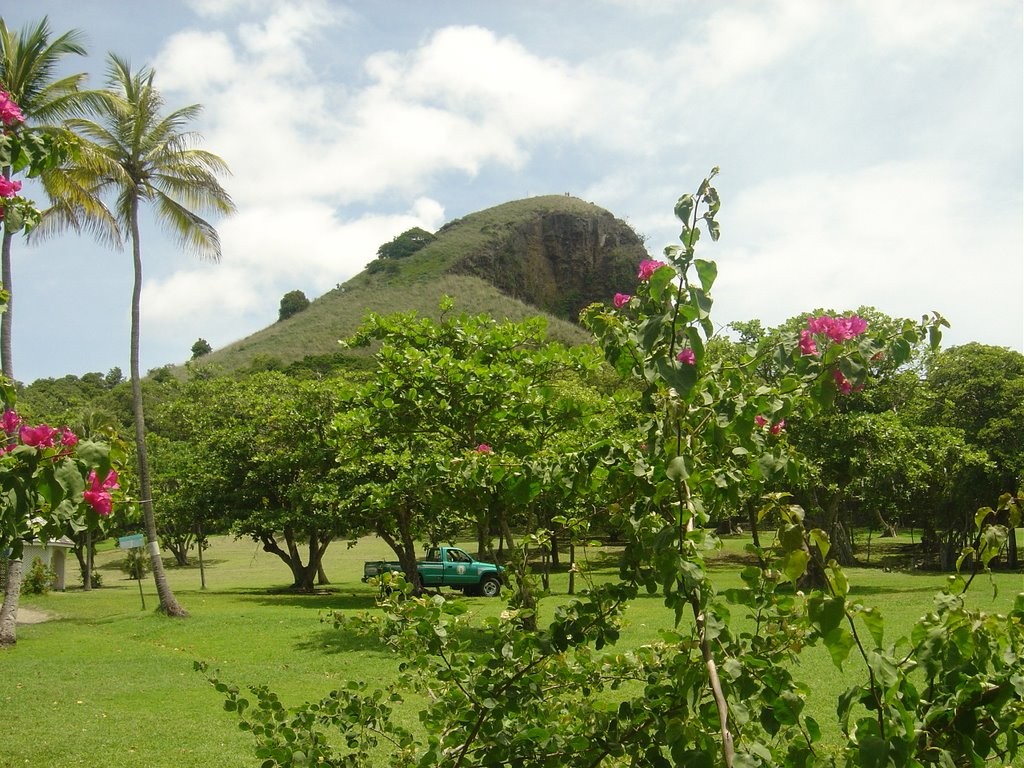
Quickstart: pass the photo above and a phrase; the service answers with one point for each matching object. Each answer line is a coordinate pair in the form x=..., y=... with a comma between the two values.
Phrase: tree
x=200, y=348
x=980, y=389
x=29, y=62
x=141, y=155
x=292, y=303
x=257, y=454
x=406, y=244
x=444, y=394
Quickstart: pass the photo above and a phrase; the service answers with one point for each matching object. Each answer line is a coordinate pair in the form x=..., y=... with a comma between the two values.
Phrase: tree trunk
x=1011, y=549
x=7, y=318
x=752, y=522
x=572, y=567
x=87, y=571
x=168, y=604
x=9, y=610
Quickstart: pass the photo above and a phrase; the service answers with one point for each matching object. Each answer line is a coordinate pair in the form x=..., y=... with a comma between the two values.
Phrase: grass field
x=105, y=682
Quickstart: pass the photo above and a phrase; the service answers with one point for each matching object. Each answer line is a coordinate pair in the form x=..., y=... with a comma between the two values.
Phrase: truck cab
x=452, y=567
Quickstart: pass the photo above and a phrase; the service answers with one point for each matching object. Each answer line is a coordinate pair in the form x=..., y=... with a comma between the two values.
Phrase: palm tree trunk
x=6, y=357
x=168, y=604
x=9, y=611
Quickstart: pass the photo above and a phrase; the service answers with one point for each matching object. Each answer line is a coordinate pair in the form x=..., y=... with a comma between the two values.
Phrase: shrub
x=135, y=564
x=292, y=303
x=39, y=579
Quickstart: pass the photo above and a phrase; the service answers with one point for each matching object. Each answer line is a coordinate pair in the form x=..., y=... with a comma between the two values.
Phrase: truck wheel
x=490, y=587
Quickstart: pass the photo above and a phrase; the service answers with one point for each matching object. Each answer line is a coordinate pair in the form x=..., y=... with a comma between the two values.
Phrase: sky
x=870, y=151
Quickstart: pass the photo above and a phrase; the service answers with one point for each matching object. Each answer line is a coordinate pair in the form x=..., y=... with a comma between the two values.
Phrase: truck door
x=432, y=569
x=457, y=568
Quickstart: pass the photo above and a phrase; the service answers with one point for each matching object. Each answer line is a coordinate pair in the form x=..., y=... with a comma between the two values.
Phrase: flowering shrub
x=49, y=477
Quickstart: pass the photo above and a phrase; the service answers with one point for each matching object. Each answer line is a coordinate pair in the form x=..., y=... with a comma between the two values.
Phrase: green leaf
x=677, y=469
x=875, y=623
x=707, y=271
x=661, y=278
x=820, y=539
x=794, y=564
x=839, y=642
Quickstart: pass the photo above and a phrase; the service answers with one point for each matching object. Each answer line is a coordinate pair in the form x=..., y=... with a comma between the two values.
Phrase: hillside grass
x=338, y=313
x=108, y=683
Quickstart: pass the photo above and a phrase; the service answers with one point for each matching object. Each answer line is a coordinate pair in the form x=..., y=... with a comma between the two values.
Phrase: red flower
x=98, y=494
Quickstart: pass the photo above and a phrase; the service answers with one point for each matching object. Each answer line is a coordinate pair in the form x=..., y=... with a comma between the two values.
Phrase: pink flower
x=9, y=188
x=839, y=329
x=484, y=448
x=68, y=438
x=760, y=420
x=10, y=113
x=10, y=421
x=778, y=427
x=98, y=494
x=819, y=324
x=648, y=267
x=621, y=300
x=842, y=383
x=686, y=356
x=38, y=437
x=807, y=344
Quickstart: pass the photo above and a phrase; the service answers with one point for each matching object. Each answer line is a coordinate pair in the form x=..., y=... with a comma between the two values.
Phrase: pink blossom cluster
x=39, y=436
x=621, y=299
x=484, y=448
x=10, y=113
x=838, y=329
x=648, y=267
x=44, y=436
x=842, y=383
x=686, y=356
x=774, y=429
x=9, y=188
x=97, y=495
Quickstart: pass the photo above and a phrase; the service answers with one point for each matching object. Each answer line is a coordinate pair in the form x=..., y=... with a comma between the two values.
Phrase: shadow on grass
x=319, y=601
x=330, y=641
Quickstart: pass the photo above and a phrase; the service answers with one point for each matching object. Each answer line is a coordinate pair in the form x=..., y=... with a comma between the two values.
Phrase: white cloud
x=739, y=40
x=895, y=236
x=269, y=250
x=196, y=62
x=924, y=25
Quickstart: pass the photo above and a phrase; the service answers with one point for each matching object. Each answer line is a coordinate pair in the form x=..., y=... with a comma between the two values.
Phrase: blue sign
x=131, y=542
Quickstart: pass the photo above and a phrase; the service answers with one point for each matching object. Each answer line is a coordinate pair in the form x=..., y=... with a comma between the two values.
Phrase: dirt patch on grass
x=32, y=616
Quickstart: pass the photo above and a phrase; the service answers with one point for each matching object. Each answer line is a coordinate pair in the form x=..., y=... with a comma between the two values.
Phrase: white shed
x=53, y=554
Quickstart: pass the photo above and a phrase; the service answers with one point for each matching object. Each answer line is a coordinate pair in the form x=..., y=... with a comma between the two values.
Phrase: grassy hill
x=550, y=256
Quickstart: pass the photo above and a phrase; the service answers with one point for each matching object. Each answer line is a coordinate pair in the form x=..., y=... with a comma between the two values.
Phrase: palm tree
x=28, y=64
x=139, y=155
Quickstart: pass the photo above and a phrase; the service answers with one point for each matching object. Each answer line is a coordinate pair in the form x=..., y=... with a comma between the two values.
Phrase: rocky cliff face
x=559, y=261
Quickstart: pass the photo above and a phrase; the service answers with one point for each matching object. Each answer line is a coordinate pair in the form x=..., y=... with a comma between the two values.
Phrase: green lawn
x=108, y=683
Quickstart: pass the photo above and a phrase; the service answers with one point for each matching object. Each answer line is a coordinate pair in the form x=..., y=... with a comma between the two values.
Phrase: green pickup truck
x=447, y=567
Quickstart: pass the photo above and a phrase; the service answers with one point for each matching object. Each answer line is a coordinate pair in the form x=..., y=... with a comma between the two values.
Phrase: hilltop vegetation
x=548, y=256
